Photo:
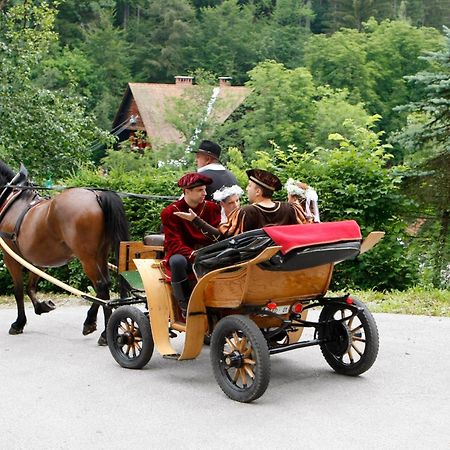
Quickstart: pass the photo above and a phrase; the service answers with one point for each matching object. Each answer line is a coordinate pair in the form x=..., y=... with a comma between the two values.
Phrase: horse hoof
x=44, y=307
x=89, y=328
x=102, y=341
x=15, y=331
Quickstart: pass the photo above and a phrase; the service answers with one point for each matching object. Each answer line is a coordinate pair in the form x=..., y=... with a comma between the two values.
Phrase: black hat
x=265, y=179
x=210, y=148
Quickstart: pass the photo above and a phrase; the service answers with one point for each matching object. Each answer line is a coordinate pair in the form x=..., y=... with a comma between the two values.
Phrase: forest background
x=351, y=96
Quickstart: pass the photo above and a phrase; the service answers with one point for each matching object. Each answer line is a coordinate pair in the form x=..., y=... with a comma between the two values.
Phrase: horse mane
x=6, y=174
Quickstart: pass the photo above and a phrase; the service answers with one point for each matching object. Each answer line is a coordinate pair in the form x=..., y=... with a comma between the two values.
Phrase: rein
x=167, y=198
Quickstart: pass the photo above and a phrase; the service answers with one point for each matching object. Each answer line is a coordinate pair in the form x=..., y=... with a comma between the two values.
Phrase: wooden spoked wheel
x=129, y=337
x=351, y=341
x=240, y=358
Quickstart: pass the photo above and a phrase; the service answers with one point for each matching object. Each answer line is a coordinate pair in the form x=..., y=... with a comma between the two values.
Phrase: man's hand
x=186, y=216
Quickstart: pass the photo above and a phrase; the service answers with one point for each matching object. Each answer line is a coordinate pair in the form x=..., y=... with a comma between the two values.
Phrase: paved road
x=59, y=390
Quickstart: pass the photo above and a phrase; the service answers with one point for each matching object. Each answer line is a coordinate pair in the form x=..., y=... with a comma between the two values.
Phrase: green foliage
x=371, y=64
x=160, y=37
x=280, y=107
x=354, y=182
x=131, y=173
x=232, y=37
x=47, y=130
x=434, y=106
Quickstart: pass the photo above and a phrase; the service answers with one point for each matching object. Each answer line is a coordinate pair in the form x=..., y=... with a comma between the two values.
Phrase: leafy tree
x=434, y=106
x=340, y=61
x=107, y=50
x=280, y=107
x=336, y=114
x=160, y=40
x=47, y=130
x=393, y=48
x=427, y=136
x=225, y=40
x=354, y=182
x=284, y=35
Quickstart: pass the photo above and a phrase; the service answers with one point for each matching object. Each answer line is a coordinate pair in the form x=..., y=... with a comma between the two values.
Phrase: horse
x=81, y=223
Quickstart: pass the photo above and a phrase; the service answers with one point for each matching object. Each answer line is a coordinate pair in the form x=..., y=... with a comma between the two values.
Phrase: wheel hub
x=339, y=338
x=234, y=359
x=125, y=338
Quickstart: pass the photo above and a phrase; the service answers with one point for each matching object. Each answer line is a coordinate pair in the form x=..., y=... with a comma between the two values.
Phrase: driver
x=181, y=237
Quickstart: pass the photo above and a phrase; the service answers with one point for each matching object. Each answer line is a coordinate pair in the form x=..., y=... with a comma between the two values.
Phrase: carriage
x=252, y=294
x=252, y=297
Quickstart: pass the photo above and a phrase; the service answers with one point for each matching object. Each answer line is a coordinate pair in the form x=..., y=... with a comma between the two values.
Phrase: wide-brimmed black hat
x=265, y=179
x=210, y=148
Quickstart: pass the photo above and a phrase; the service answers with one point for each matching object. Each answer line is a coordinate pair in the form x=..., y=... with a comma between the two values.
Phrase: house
x=144, y=108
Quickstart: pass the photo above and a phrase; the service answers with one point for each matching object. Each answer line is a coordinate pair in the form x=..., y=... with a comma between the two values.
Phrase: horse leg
x=98, y=274
x=16, y=272
x=39, y=307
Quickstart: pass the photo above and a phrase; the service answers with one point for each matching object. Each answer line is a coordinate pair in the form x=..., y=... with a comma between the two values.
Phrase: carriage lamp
x=349, y=301
x=297, y=308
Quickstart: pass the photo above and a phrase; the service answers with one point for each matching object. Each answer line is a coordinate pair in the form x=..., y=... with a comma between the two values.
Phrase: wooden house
x=144, y=108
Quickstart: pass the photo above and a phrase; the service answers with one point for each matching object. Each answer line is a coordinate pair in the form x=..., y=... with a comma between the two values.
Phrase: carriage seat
x=154, y=239
x=302, y=247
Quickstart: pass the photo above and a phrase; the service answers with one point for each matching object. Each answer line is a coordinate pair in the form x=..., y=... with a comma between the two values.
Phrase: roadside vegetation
x=352, y=100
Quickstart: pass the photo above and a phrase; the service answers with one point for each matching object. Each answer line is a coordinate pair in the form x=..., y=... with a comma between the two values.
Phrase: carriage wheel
x=240, y=358
x=352, y=344
x=129, y=336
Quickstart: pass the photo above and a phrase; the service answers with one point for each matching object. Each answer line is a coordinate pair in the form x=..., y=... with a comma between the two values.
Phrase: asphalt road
x=59, y=390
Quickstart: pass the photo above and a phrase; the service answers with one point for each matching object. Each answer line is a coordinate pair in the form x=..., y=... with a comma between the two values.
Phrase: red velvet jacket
x=180, y=235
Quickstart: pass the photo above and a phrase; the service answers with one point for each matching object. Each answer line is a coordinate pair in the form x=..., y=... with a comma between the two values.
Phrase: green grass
x=418, y=301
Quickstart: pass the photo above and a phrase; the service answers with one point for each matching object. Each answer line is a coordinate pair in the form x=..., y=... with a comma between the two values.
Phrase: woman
x=229, y=199
x=305, y=196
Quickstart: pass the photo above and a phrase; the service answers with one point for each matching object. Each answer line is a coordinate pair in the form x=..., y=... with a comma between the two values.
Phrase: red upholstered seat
x=298, y=236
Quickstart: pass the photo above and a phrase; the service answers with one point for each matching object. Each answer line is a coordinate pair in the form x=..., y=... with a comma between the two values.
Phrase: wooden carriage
x=251, y=309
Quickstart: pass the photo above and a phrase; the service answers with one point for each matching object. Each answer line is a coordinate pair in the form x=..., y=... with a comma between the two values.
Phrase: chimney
x=224, y=81
x=183, y=80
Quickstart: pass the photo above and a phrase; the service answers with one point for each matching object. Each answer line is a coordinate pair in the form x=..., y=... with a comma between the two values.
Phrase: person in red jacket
x=181, y=237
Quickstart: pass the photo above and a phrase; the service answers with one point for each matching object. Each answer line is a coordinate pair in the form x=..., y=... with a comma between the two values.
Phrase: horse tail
x=116, y=222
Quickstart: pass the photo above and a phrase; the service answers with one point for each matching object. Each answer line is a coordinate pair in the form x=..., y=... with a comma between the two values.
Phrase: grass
x=416, y=301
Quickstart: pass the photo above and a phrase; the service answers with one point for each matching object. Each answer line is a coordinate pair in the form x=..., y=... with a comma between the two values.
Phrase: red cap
x=193, y=179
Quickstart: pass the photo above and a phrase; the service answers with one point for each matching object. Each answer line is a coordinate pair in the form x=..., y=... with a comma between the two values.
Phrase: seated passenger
x=181, y=237
x=305, y=196
x=262, y=211
x=229, y=200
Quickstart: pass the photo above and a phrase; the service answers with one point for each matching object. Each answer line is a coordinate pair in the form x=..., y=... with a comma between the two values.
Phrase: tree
x=280, y=107
x=354, y=181
x=434, y=106
x=428, y=135
x=160, y=40
x=107, y=51
x=283, y=35
x=226, y=40
x=47, y=130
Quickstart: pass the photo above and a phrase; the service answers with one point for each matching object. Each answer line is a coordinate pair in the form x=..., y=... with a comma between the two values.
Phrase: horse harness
x=8, y=197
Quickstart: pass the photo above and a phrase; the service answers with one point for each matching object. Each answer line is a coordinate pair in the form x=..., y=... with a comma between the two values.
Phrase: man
x=262, y=211
x=207, y=159
x=181, y=237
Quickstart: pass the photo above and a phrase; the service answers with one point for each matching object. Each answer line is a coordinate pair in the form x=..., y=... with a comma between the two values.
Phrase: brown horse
x=77, y=223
